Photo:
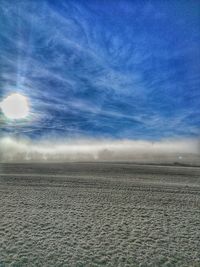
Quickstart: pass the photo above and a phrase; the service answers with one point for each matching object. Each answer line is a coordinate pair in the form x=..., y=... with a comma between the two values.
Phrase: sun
x=15, y=106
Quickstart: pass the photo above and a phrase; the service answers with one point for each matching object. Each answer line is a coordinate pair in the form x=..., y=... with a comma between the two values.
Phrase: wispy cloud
x=119, y=71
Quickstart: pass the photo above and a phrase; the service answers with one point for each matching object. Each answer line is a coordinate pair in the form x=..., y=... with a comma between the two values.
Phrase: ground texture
x=99, y=214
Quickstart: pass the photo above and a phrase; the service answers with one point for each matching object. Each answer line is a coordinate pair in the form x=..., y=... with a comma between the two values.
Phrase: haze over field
x=167, y=151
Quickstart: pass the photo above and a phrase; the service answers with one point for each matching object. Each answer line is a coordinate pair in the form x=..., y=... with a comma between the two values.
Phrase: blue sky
x=102, y=69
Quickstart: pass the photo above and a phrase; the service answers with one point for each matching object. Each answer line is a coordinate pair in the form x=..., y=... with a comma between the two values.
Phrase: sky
x=95, y=69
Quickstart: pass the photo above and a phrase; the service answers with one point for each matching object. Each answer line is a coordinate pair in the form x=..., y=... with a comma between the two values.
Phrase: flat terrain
x=99, y=214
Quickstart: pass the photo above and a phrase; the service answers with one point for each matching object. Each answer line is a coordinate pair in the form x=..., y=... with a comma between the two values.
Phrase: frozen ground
x=99, y=215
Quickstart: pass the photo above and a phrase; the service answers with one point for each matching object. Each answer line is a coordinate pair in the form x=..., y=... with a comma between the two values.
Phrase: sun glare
x=15, y=106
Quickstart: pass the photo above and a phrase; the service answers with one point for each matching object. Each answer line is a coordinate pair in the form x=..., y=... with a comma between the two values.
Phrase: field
x=99, y=214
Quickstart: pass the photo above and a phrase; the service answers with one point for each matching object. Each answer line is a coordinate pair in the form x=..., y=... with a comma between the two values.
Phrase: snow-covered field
x=99, y=214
